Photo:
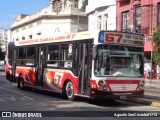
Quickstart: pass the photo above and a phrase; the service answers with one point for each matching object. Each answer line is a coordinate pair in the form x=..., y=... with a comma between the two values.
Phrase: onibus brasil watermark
x=21, y=114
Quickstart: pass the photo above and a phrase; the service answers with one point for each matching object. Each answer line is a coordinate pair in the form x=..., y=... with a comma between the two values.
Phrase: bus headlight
x=141, y=85
x=104, y=87
x=100, y=83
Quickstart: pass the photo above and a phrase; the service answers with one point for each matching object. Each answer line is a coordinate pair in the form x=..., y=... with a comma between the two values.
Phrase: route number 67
x=58, y=78
x=113, y=37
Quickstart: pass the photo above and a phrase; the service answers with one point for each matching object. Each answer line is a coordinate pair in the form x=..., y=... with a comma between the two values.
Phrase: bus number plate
x=123, y=97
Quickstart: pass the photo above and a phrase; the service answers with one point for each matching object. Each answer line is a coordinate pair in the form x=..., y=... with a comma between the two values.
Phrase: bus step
x=39, y=88
x=81, y=95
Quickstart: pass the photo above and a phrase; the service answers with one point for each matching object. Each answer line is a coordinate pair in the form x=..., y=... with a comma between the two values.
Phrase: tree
x=156, y=45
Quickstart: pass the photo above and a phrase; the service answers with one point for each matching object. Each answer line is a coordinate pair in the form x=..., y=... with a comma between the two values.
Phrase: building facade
x=4, y=36
x=101, y=14
x=139, y=16
x=62, y=16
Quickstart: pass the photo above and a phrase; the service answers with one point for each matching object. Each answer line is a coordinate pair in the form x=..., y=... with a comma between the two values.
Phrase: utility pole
x=151, y=41
x=78, y=18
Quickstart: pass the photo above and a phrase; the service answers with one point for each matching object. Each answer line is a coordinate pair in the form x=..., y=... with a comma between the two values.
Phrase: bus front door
x=40, y=56
x=84, y=67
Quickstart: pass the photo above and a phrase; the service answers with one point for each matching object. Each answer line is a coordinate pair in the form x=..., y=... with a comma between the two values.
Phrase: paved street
x=13, y=99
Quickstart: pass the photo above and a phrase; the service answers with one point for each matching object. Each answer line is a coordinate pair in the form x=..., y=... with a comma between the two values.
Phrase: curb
x=144, y=101
x=155, y=104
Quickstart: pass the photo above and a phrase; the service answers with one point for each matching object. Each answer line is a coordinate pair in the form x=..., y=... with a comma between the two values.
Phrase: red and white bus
x=99, y=64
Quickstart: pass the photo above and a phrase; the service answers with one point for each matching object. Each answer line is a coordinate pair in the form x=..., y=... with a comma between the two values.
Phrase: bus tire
x=21, y=83
x=69, y=89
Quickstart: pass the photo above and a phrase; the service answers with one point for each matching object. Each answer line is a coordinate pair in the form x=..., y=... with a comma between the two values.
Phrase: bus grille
x=123, y=87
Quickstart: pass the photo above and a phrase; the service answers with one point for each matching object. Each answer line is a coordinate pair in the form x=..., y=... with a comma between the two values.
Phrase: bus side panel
x=55, y=79
x=28, y=74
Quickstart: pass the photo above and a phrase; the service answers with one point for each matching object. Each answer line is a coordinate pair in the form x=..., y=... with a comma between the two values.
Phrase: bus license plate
x=123, y=97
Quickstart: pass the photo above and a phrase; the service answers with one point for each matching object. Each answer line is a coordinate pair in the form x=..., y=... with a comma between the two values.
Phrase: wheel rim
x=69, y=89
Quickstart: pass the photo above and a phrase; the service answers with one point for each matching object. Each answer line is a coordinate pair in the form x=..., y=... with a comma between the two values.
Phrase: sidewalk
x=152, y=83
x=151, y=94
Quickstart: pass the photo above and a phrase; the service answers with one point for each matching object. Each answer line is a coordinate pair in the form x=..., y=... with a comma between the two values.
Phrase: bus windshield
x=118, y=60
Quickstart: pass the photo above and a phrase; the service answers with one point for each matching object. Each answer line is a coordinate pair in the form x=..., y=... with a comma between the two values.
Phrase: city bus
x=93, y=64
x=2, y=57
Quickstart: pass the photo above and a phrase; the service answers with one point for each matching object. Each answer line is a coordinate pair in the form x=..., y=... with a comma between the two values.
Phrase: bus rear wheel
x=70, y=91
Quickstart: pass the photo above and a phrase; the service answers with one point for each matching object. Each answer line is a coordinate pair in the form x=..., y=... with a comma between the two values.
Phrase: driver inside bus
x=104, y=70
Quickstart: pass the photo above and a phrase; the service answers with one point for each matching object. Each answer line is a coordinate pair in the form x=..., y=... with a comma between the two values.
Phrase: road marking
x=14, y=84
x=13, y=98
x=11, y=91
x=155, y=104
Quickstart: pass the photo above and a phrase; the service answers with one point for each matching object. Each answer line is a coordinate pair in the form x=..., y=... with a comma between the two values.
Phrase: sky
x=9, y=9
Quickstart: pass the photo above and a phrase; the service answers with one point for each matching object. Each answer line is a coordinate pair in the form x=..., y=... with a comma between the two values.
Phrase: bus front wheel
x=70, y=91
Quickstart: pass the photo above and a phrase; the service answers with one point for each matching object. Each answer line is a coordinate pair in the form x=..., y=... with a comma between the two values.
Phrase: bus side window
x=21, y=56
x=66, y=55
x=52, y=56
x=30, y=58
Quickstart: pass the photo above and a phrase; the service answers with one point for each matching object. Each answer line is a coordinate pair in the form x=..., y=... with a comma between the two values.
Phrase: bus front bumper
x=109, y=95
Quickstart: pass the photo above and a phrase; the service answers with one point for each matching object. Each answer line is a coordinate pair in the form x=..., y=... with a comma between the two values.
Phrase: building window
x=31, y=25
x=39, y=33
x=105, y=18
x=30, y=36
x=125, y=21
x=23, y=28
x=17, y=30
x=23, y=38
x=99, y=22
x=159, y=14
x=138, y=19
x=76, y=4
x=39, y=22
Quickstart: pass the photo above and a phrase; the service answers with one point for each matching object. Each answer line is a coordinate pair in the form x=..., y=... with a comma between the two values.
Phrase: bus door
x=84, y=67
x=40, y=59
x=13, y=65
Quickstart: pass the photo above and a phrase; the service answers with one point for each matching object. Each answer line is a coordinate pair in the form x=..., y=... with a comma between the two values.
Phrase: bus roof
x=11, y=44
x=56, y=38
x=102, y=36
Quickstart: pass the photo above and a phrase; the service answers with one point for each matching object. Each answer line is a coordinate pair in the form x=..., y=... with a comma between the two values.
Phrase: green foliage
x=156, y=56
x=156, y=45
x=1, y=44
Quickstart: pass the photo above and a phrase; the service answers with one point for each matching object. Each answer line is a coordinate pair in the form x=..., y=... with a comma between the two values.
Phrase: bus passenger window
x=52, y=56
x=30, y=59
x=66, y=55
x=21, y=56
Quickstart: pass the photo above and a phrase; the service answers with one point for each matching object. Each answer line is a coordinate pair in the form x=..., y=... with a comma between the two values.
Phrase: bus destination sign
x=122, y=38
